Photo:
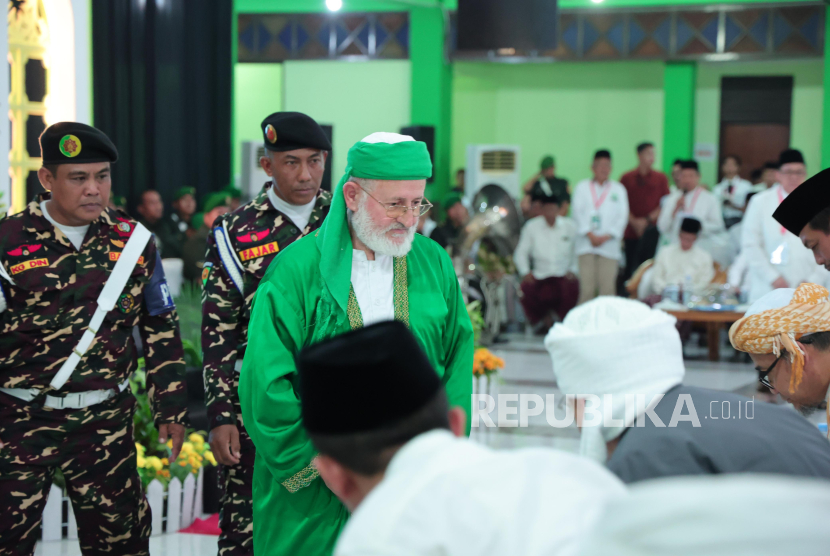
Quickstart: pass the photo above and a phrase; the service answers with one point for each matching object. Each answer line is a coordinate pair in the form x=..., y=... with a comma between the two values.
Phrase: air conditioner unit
x=492, y=164
x=253, y=177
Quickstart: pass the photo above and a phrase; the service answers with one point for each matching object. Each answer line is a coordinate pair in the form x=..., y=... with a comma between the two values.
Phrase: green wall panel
x=568, y=110
x=679, y=104
x=358, y=98
x=825, y=144
x=257, y=93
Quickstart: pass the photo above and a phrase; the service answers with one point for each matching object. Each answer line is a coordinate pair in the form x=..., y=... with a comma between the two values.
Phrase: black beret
x=75, y=143
x=364, y=380
x=690, y=226
x=803, y=204
x=289, y=131
x=602, y=153
x=789, y=156
x=689, y=165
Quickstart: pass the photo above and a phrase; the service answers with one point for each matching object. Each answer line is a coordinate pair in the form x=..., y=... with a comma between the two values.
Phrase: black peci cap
x=690, y=225
x=75, y=143
x=289, y=131
x=364, y=380
x=689, y=165
x=803, y=204
x=789, y=156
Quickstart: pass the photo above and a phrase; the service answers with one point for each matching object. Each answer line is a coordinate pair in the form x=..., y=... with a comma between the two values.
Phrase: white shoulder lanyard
x=106, y=300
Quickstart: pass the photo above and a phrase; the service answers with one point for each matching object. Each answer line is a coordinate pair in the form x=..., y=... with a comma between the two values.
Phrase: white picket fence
x=183, y=505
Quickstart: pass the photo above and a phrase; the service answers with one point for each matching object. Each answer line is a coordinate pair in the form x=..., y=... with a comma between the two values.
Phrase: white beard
x=375, y=238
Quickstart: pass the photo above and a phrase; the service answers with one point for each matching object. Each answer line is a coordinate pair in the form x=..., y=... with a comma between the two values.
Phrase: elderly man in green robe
x=364, y=265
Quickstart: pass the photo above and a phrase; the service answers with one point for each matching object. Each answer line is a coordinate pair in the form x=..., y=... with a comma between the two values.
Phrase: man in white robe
x=415, y=487
x=716, y=516
x=693, y=200
x=776, y=258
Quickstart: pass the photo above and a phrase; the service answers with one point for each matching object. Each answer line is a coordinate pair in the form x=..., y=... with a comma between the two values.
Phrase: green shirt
x=295, y=513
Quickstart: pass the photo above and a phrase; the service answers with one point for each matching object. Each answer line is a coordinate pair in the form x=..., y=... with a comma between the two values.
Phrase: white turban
x=620, y=347
x=725, y=515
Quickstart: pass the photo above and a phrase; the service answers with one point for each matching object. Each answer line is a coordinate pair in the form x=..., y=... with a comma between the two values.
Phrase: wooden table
x=714, y=321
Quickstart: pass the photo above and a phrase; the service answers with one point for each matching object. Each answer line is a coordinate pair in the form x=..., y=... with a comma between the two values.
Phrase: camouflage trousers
x=236, y=516
x=94, y=449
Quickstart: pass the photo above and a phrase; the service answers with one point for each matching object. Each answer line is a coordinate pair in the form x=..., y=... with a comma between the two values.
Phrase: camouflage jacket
x=54, y=295
x=258, y=231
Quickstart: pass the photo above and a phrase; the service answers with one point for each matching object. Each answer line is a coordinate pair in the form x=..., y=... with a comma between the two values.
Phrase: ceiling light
x=334, y=5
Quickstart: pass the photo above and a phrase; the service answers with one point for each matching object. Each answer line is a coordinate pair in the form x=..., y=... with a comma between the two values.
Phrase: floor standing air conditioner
x=492, y=164
x=253, y=177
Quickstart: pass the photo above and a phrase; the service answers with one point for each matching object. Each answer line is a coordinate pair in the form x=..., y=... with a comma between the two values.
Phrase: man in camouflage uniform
x=55, y=257
x=240, y=248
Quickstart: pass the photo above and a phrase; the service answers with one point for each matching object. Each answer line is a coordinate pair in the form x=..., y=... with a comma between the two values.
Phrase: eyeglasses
x=763, y=378
x=394, y=210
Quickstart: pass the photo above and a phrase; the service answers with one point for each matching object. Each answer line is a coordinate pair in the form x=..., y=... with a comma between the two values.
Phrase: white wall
x=357, y=98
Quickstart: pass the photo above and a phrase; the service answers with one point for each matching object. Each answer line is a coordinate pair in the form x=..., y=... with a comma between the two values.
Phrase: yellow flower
x=140, y=449
x=187, y=448
x=183, y=463
x=154, y=463
x=141, y=462
x=170, y=443
x=210, y=458
x=165, y=462
x=196, y=438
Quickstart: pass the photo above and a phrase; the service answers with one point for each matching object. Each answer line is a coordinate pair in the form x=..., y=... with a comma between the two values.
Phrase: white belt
x=77, y=400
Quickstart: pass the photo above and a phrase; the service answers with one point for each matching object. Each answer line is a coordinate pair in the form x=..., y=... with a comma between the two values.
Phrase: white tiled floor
x=528, y=370
x=176, y=544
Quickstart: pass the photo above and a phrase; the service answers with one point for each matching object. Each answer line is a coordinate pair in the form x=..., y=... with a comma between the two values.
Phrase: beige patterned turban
x=777, y=328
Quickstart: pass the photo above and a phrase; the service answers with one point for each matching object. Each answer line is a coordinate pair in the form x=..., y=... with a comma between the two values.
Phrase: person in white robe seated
x=683, y=263
x=716, y=516
x=611, y=351
x=392, y=451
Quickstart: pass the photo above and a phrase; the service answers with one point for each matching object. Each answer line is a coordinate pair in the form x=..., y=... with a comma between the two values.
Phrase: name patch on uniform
x=115, y=255
x=26, y=265
x=257, y=252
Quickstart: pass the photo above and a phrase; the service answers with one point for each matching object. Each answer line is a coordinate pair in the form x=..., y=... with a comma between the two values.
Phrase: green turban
x=119, y=201
x=547, y=162
x=182, y=191
x=380, y=156
x=215, y=200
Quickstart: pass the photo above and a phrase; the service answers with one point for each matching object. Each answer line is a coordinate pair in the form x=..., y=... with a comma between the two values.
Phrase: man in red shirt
x=645, y=187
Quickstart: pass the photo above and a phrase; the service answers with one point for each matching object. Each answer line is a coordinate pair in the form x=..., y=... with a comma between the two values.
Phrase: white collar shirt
x=698, y=203
x=373, y=283
x=546, y=250
x=674, y=266
x=734, y=191
x=603, y=210
x=447, y=495
x=772, y=252
x=298, y=214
